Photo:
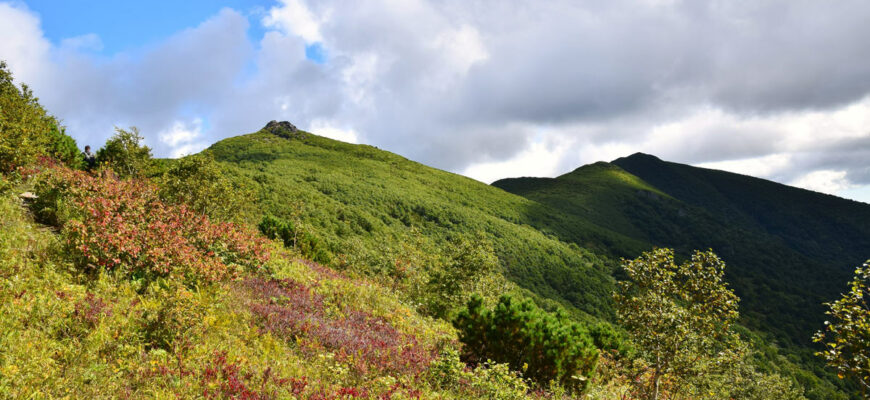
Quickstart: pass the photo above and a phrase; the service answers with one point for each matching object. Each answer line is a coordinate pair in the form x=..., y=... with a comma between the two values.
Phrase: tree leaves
x=847, y=336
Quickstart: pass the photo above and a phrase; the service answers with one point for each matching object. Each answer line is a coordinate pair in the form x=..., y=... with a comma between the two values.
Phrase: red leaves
x=223, y=379
x=124, y=225
x=370, y=344
x=90, y=309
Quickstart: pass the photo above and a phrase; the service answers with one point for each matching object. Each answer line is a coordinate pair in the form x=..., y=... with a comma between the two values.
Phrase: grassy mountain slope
x=77, y=322
x=364, y=202
x=788, y=250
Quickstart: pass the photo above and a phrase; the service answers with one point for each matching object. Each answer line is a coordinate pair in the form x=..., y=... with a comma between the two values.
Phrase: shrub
x=368, y=343
x=124, y=225
x=294, y=237
x=440, y=278
x=486, y=381
x=545, y=347
x=469, y=259
x=27, y=131
x=225, y=379
x=167, y=312
x=846, y=338
x=680, y=318
x=125, y=154
x=198, y=182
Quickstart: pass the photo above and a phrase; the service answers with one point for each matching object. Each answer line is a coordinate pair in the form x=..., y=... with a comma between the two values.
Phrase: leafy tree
x=679, y=316
x=198, y=181
x=543, y=346
x=27, y=130
x=847, y=337
x=125, y=154
x=469, y=260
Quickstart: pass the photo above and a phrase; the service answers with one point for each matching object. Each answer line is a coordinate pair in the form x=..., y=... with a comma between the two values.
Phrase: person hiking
x=90, y=159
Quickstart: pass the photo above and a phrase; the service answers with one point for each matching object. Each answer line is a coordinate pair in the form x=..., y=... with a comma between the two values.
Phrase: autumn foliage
x=123, y=225
x=369, y=344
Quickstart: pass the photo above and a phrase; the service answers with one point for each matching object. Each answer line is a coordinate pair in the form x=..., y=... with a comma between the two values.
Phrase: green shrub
x=306, y=243
x=545, y=347
x=125, y=154
x=486, y=381
x=27, y=131
x=63, y=148
x=198, y=181
x=469, y=260
x=606, y=337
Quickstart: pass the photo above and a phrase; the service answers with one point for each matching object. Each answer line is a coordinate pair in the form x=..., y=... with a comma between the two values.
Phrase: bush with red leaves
x=290, y=309
x=123, y=225
x=223, y=379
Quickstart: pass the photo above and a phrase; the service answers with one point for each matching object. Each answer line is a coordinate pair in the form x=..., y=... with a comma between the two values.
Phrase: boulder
x=284, y=129
x=283, y=126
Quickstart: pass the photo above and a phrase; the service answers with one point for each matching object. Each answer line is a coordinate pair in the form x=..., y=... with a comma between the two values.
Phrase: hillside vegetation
x=118, y=288
x=789, y=250
x=367, y=210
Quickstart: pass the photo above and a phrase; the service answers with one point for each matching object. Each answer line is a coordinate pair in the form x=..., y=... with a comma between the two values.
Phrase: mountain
x=788, y=250
x=363, y=203
x=558, y=239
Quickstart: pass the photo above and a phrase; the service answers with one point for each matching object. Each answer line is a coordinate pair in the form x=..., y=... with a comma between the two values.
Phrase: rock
x=284, y=126
x=284, y=129
x=28, y=196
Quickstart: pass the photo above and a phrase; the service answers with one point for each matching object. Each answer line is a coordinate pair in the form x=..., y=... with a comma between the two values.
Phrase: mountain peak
x=639, y=157
x=283, y=129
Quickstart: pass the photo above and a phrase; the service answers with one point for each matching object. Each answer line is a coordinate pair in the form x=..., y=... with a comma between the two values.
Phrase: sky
x=778, y=89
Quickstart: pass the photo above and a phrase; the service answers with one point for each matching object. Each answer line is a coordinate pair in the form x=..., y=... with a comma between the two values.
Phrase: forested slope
x=362, y=204
x=788, y=250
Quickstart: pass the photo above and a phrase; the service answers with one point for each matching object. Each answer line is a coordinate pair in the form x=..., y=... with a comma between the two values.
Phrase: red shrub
x=124, y=225
x=290, y=310
x=90, y=309
x=224, y=380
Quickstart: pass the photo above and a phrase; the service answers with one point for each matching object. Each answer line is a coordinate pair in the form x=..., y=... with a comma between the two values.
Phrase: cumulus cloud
x=774, y=88
x=182, y=77
x=183, y=138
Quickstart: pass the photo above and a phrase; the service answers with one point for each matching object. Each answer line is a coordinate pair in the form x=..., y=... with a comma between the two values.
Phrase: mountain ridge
x=788, y=250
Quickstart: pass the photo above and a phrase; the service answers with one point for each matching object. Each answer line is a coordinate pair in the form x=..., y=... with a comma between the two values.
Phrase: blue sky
x=490, y=89
x=124, y=25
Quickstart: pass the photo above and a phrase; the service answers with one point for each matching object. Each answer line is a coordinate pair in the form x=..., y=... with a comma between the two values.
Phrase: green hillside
x=788, y=250
x=363, y=203
x=366, y=205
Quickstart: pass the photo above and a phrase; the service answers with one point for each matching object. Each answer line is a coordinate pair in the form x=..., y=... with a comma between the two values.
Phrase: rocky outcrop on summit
x=284, y=129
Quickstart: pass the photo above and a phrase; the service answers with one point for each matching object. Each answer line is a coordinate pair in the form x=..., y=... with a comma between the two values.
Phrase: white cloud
x=540, y=158
x=861, y=193
x=294, y=16
x=492, y=88
x=183, y=138
x=825, y=181
x=764, y=167
x=327, y=129
x=87, y=42
x=461, y=48
x=23, y=46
